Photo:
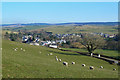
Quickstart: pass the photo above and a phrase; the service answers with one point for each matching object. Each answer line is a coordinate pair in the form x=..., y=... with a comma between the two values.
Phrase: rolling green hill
x=82, y=29
x=34, y=62
x=61, y=29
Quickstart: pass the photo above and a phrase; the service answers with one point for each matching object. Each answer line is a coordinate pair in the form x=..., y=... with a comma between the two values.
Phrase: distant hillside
x=71, y=23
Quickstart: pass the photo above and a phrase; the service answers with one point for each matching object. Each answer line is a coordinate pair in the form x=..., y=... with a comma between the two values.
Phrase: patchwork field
x=63, y=29
x=34, y=62
x=82, y=29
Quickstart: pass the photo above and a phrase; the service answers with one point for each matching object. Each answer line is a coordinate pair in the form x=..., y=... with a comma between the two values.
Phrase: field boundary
x=111, y=60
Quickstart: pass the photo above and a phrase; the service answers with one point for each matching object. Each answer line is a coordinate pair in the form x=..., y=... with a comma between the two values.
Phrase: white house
x=53, y=46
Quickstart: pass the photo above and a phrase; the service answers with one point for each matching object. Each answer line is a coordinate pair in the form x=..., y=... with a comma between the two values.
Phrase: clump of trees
x=113, y=43
x=13, y=36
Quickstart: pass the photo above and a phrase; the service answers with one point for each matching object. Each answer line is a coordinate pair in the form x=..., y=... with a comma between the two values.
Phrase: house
x=53, y=46
x=24, y=39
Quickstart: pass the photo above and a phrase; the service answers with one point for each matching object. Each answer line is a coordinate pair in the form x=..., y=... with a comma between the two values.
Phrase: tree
x=92, y=42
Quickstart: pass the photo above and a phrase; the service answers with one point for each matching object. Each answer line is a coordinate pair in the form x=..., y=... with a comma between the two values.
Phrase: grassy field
x=33, y=64
x=112, y=53
x=81, y=29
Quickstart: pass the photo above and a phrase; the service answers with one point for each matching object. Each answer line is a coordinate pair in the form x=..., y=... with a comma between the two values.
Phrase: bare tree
x=92, y=42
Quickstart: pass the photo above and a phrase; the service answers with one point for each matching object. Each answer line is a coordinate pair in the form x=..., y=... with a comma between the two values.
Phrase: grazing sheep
x=98, y=55
x=73, y=62
x=101, y=67
x=59, y=48
x=56, y=59
x=1, y=48
x=91, y=67
x=15, y=49
x=51, y=54
x=91, y=54
x=21, y=48
x=24, y=50
x=59, y=60
x=65, y=63
x=83, y=65
x=8, y=75
x=114, y=69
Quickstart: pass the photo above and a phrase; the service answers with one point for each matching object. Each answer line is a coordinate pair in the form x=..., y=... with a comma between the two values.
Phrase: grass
x=112, y=53
x=81, y=29
x=32, y=64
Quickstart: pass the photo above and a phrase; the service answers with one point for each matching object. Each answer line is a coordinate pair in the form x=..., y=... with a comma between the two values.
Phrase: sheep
x=21, y=48
x=8, y=75
x=15, y=49
x=114, y=69
x=98, y=55
x=101, y=67
x=40, y=52
x=51, y=54
x=1, y=48
x=73, y=62
x=91, y=54
x=91, y=67
x=65, y=63
x=56, y=59
x=59, y=60
x=83, y=65
x=24, y=50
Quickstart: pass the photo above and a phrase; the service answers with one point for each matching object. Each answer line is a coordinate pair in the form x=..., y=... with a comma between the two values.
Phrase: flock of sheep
x=64, y=63
x=15, y=49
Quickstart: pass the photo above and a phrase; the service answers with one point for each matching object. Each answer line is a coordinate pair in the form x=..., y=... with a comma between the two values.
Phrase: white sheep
x=114, y=69
x=56, y=59
x=83, y=65
x=51, y=54
x=24, y=50
x=21, y=48
x=65, y=63
x=73, y=62
x=15, y=49
x=91, y=67
x=59, y=60
x=1, y=48
x=91, y=54
x=98, y=55
x=101, y=67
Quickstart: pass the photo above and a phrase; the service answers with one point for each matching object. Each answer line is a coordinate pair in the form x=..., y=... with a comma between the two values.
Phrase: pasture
x=111, y=53
x=81, y=29
x=63, y=29
x=35, y=62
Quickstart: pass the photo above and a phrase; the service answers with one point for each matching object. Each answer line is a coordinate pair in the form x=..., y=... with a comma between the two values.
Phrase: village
x=60, y=39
